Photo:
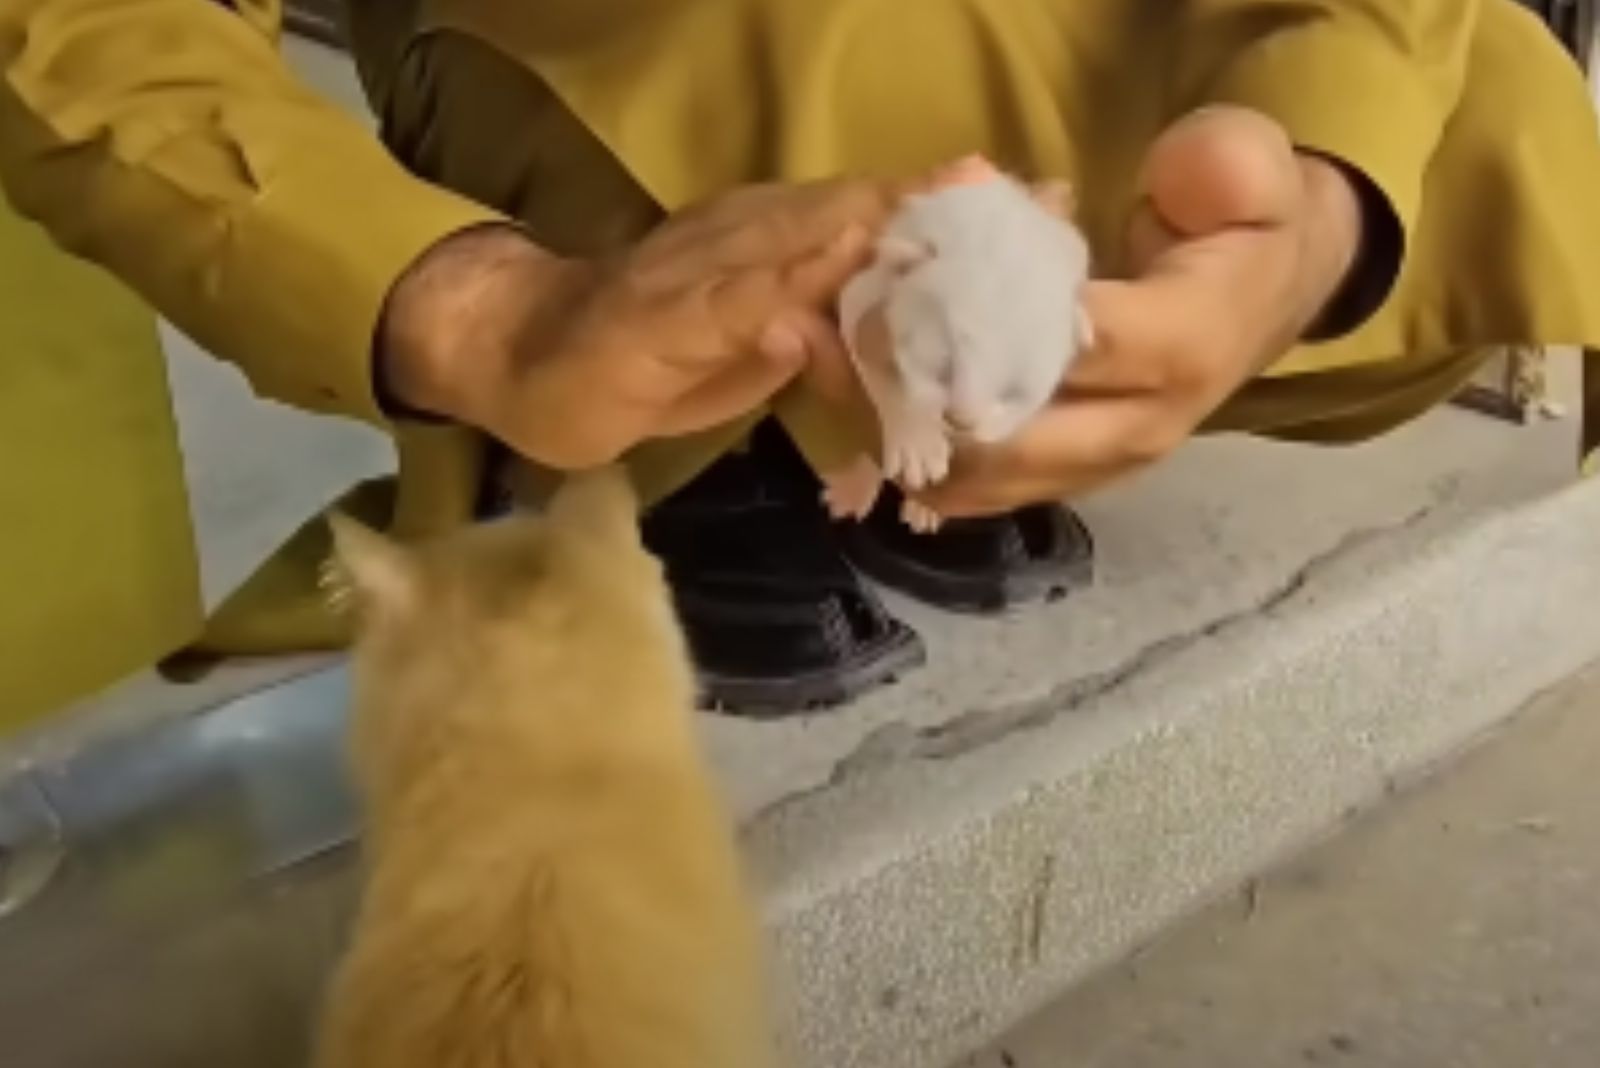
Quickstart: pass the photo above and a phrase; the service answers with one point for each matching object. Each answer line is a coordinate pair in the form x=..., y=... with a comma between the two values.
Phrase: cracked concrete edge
x=930, y=899
x=977, y=728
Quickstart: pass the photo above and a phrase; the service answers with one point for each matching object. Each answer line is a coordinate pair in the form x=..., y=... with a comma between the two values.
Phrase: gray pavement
x=1457, y=926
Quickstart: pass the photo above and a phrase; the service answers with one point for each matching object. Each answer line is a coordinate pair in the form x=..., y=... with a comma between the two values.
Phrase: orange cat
x=553, y=882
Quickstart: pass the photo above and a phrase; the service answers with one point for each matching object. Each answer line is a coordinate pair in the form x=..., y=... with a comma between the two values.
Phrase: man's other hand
x=572, y=362
x=1239, y=244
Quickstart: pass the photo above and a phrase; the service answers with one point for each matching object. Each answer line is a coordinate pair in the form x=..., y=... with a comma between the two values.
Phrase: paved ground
x=1458, y=926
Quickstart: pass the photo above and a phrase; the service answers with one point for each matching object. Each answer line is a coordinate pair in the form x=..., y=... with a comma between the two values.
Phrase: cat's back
x=554, y=880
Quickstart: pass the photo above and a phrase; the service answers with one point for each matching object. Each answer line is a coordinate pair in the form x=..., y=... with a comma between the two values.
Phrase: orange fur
x=553, y=882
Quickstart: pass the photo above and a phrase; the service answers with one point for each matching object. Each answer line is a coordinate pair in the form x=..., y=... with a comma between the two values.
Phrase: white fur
x=980, y=285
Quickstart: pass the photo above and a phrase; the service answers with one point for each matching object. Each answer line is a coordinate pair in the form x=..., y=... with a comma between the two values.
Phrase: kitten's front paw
x=917, y=455
x=919, y=517
x=851, y=492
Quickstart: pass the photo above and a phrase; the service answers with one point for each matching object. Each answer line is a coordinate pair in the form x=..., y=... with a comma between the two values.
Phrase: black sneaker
x=777, y=621
x=981, y=566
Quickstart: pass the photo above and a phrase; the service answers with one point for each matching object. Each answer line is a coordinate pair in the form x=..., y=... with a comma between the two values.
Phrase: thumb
x=1149, y=236
x=1215, y=169
x=1220, y=167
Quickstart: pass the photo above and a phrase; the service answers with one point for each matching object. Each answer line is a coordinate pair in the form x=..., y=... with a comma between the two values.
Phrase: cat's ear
x=369, y=568
x=968, y=170
x=598, y=504
x=1056, y=196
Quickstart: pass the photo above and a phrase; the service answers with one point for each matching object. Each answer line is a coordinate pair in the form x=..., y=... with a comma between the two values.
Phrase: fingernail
x=783, y=343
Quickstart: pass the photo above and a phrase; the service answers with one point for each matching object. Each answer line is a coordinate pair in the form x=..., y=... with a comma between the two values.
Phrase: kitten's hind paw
x=851, y=492
x=920, y=518
x=917, y=458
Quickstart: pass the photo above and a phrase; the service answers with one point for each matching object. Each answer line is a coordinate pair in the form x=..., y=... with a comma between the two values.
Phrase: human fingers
x=814, y=281
x=734, y=392
x=777, y=224
x=787, y=221
x=829, y=372
x=732, y=314
x=722, y=277
x=831, y=375
x=1073, y=447
x=1218, y=167
x=815, y=275
x=695, y=331
x=1148, y=237
x=1215, y=170
x=1179, y=259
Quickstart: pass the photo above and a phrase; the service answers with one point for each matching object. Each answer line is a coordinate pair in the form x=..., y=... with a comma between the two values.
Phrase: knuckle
x=736, y=299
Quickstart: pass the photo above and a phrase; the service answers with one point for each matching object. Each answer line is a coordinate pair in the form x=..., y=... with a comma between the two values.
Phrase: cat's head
x=539, y=608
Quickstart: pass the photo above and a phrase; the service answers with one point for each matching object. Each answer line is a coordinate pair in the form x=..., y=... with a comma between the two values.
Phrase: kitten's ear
x=1056, y=196
x=969, y=170
x=370, y=567
x=598, y=504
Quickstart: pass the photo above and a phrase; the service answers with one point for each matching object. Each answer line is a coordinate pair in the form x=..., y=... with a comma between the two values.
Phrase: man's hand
x=1239, y=245
x=571, y=363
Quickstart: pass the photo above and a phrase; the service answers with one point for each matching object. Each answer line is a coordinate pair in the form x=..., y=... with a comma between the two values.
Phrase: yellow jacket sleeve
x=167, y=141
x=1367, y=83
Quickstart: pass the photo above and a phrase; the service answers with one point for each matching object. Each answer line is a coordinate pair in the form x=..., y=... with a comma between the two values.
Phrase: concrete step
x=1277, y=637
x=961, y=866
x=1453, y=926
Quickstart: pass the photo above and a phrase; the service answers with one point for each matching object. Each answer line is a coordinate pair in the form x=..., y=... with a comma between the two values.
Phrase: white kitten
x=977, y=284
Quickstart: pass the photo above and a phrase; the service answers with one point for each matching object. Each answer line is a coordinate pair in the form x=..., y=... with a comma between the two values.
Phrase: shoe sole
x=897, y=653
x=1044, y=580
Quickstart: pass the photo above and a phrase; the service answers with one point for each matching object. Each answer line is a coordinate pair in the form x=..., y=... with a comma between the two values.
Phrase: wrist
x=457, y=327
x=1367, y=273
x=1333, y=233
